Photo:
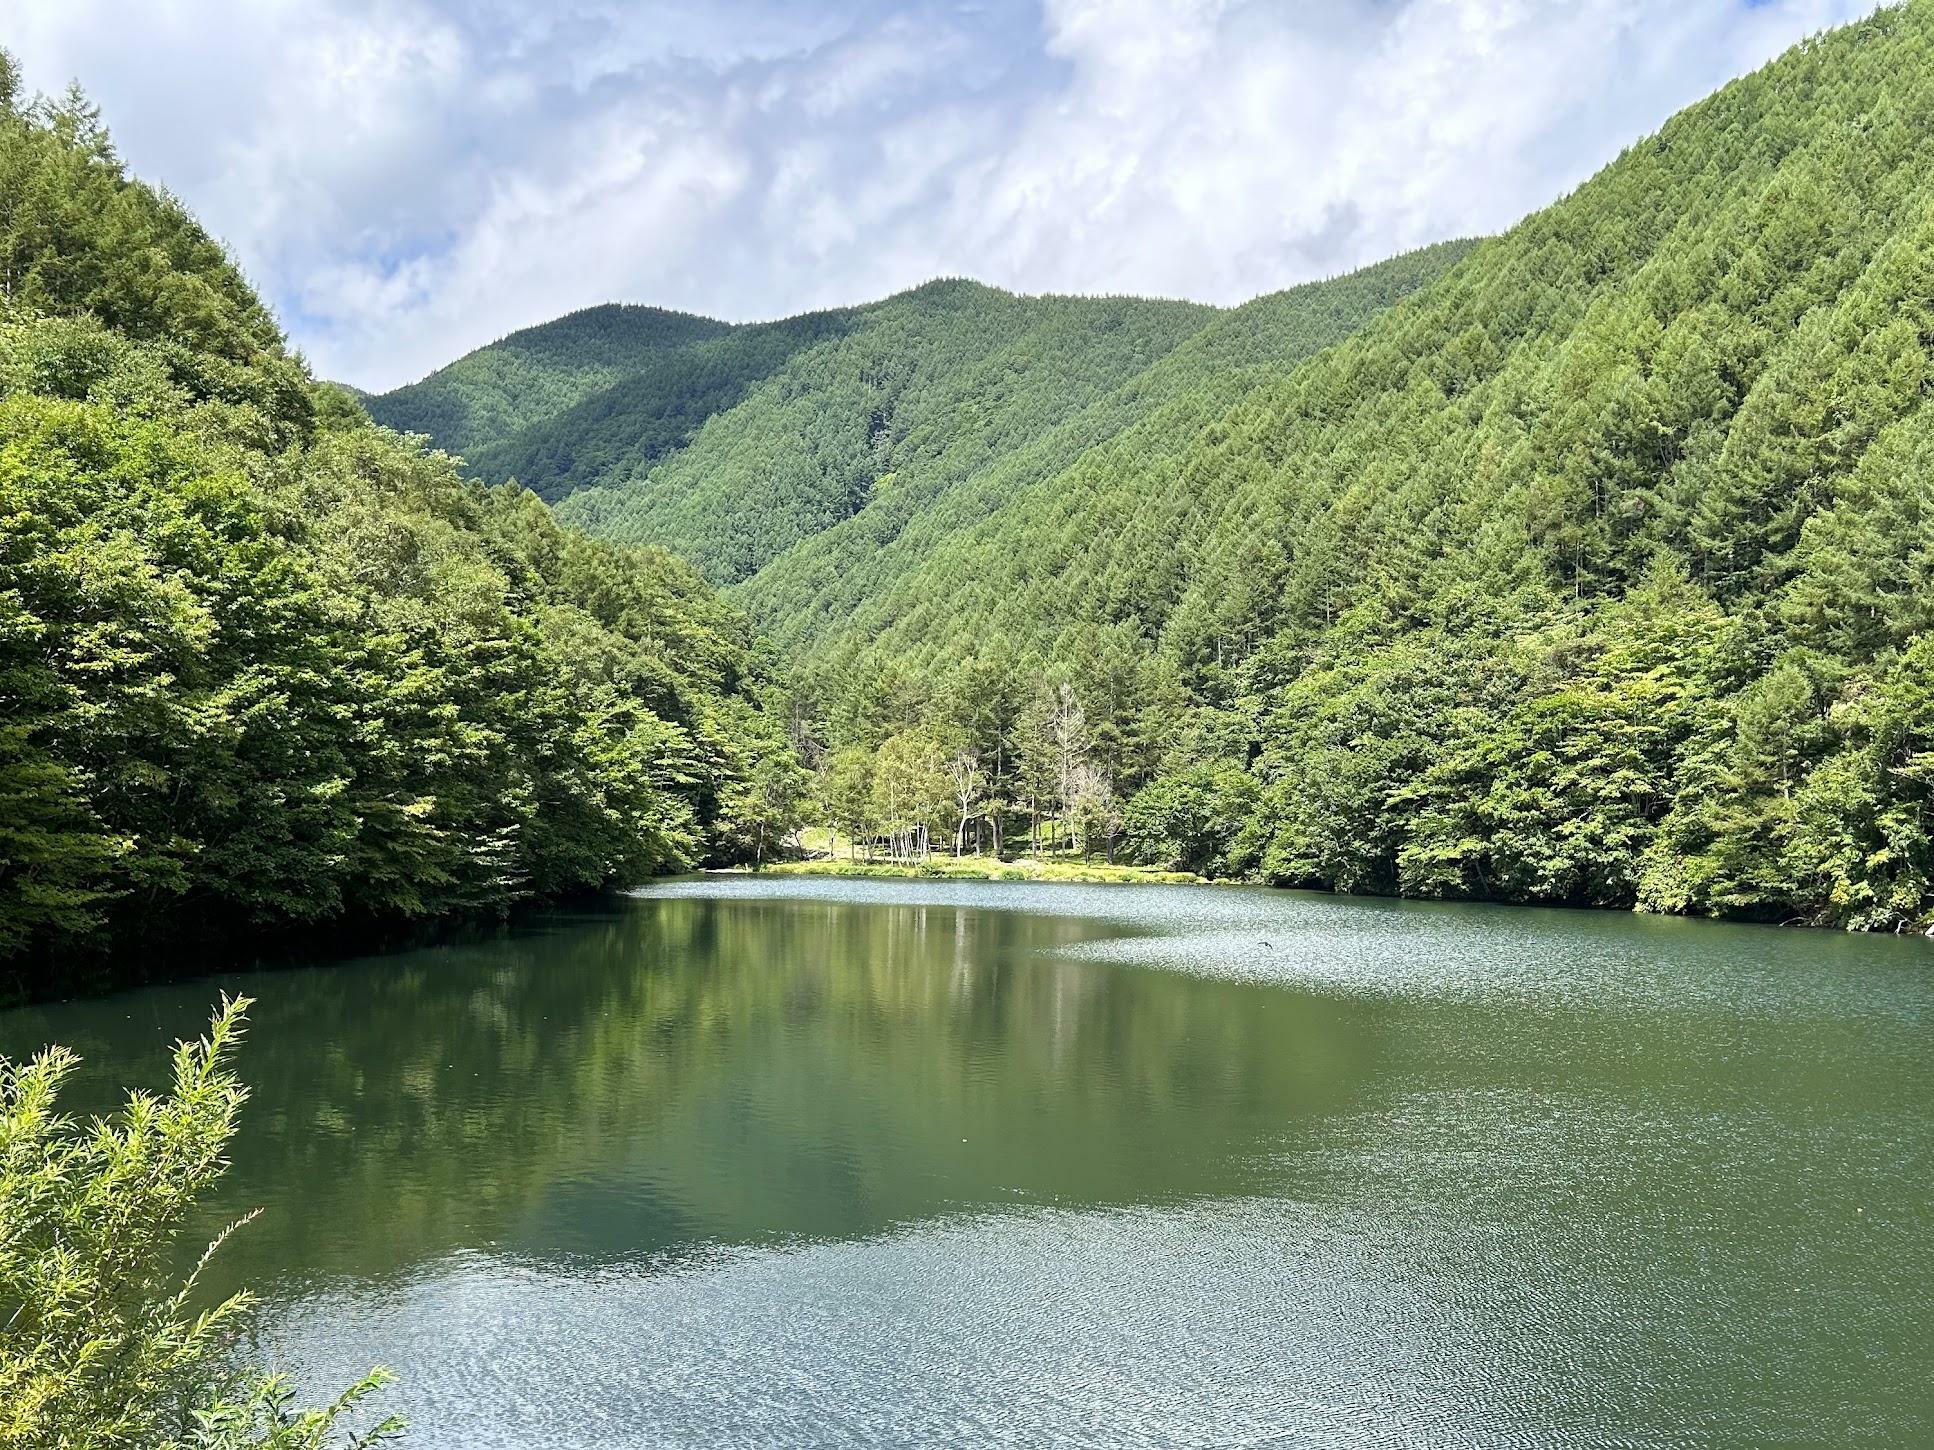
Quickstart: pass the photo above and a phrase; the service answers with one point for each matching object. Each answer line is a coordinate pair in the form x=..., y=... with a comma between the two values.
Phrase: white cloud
x=408, y=179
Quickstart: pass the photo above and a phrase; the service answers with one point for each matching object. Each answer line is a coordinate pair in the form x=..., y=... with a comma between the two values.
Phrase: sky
x=406, y=180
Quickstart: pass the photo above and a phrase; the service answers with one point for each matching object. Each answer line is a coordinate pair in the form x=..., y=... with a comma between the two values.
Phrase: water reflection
x=621, y=1085
x=843, y=1163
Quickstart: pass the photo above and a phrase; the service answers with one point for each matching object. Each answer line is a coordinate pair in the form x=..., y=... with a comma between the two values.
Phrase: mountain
x=264, y=665
x=1588, y=564
x=533, y=375
x=934, y=384
x=562, y=405
x=965, y=541
x=1593, y=570
x=732, y=446
x=843, y=426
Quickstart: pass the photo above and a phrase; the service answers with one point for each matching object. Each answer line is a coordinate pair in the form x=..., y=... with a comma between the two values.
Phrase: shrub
x=101, y=1342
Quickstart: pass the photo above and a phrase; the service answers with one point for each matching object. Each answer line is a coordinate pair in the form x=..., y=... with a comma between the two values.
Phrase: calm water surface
x=755, y=1162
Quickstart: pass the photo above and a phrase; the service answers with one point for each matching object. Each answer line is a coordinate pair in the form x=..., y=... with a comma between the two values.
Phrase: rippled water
x=750, y=1162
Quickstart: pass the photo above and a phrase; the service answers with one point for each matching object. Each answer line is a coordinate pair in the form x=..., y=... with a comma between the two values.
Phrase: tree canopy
x=265, y=664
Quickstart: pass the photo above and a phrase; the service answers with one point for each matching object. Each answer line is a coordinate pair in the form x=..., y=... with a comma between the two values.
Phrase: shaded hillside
x=485, y=398
x=662, y=399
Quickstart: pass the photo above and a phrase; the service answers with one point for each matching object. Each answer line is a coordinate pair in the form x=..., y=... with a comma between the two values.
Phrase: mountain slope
x=614, y=404
x=1594, y=572
x=651, y=406
x=1577, y=577
x=931, y=384
x=833, y=432
x=949, y=556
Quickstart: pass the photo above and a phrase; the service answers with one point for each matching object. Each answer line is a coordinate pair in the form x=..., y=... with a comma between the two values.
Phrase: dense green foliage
x=920, y=393
x=1587, y=564
x=824, y=458
x=969, y=541
x=102, y=1344
x=599, y=395
x=264, y=664
x=731, y=447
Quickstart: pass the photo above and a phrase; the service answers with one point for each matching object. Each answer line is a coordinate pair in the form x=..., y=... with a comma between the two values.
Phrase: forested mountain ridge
x=938, y=382
x=486, y=397
x=733, y=446
x=964, y=548
x=598, y=394
x=265, y=664
x=831, y=433
x=1595, y=572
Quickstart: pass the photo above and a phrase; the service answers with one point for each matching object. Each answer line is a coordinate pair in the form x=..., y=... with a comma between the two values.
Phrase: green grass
x=982, y=868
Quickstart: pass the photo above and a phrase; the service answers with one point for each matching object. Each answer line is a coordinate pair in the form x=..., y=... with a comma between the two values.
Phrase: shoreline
x=1095, y=873
x=976, y=868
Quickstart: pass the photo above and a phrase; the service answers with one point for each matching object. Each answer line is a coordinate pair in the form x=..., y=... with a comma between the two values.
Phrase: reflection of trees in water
x=622, y=1083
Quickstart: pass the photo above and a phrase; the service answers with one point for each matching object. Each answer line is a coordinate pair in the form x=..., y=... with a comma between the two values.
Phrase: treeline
x=265, y=665
x=1631, y=753
x=1017, y=773
x=1003, y=754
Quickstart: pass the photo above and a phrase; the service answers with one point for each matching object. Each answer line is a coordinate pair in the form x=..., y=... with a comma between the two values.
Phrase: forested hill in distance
x=732, y=444
x=482, y=400
x=1596, y=570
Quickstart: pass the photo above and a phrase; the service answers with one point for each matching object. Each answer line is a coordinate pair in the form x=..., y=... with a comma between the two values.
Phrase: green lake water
x=768, y=1162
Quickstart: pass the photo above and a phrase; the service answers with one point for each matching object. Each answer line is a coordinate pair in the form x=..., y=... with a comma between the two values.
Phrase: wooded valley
x=1586, y=564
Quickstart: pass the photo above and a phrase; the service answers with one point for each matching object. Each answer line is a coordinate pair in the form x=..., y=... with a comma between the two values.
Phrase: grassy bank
x=980, y=868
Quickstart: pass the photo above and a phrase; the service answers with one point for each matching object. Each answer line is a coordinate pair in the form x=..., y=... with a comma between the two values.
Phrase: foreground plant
x=100, y=1345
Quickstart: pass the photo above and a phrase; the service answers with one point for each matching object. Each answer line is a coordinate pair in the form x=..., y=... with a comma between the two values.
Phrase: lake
x=756, y=1161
